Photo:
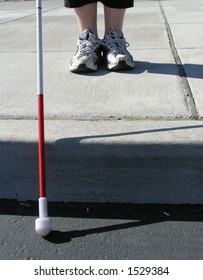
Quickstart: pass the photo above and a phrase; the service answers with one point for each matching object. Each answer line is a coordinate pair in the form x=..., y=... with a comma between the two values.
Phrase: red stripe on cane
x=41, y=148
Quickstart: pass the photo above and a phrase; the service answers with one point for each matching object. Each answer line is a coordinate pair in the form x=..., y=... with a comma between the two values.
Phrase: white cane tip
x=43, y=226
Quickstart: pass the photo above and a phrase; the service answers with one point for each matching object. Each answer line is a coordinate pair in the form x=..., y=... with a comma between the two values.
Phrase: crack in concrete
x=188, y=93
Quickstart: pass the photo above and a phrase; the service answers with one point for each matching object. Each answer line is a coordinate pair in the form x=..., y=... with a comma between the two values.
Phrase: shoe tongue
x=112, y=33
x=86, y=34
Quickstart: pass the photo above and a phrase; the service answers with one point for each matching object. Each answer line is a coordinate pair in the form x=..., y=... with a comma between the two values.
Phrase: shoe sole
x=120, y=66
x=82, y=68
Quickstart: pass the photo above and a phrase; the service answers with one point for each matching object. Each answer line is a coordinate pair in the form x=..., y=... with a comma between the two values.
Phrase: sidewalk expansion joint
x=97, y=119
x=27, y=16
x=181, y=70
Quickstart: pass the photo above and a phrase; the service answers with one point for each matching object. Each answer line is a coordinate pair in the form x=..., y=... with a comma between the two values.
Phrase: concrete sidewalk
x=133, y=137
x=126, y=137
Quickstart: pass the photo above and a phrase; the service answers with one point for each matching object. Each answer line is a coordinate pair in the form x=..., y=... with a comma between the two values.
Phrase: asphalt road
x=102, y=232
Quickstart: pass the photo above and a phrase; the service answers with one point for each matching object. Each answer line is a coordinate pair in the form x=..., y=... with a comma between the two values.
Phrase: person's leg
x=87, y=17
x=88, y=54
x=113, y=18
x=115, y=53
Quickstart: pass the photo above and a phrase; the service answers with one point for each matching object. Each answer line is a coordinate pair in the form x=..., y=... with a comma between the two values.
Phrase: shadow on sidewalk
x=99, y=168
x=194, y=71
x=160, y=130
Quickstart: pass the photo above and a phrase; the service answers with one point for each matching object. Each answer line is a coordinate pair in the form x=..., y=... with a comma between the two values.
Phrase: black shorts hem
x=122, y=4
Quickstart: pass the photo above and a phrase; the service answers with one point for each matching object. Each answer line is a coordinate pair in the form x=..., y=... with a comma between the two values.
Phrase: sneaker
x=115, y=53
x=88, y=54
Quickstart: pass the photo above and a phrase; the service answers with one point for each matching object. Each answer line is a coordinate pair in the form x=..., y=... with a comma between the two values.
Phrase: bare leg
x=87, y=17
x=113, y=18
x=115, y=53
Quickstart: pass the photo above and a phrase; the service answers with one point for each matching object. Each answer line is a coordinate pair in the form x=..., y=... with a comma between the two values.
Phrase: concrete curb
x=105, y=161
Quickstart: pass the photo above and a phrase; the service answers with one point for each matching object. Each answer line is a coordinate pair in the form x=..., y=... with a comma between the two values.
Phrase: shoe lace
x=114, y=44
x=86, y=47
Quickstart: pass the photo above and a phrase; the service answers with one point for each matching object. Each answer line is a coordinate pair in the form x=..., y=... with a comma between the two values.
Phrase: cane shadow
x=66, y=141
x=59, y=237
x=194, y=71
